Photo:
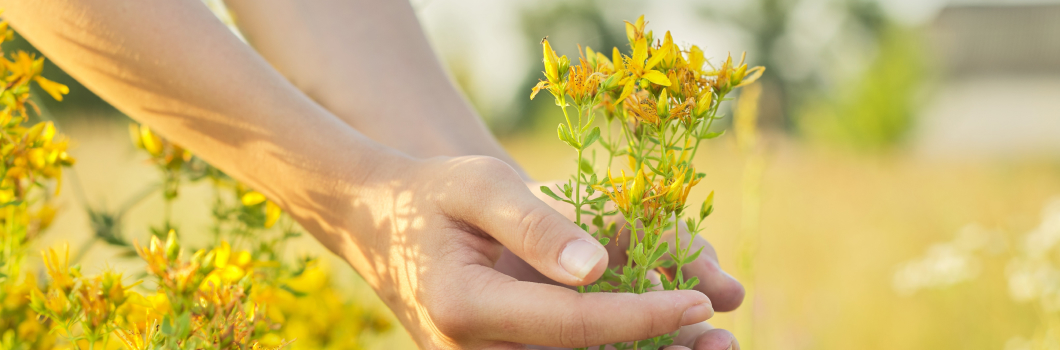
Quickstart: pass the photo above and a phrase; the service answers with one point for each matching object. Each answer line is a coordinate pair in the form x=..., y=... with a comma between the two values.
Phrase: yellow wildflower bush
x=659, y=101
x=236, y=292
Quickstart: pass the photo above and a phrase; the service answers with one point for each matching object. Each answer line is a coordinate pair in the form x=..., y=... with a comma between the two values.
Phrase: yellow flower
x=552, y=66
x=635, y=31
x=54, y=89
x=639, y=66
x=272, y=213
x=58, y=268
x=643, y=108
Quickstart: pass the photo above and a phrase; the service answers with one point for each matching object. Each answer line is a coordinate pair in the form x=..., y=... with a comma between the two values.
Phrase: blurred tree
x=852, y=85
x=589, y=22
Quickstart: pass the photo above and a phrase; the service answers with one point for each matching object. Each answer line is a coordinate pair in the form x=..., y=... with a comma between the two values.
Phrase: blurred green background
x=888, y=128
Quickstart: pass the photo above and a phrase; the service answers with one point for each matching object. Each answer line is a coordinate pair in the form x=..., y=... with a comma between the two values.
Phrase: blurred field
x=834, y=227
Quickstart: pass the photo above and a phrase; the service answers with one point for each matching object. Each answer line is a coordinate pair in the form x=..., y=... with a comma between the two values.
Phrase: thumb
x=506, y=210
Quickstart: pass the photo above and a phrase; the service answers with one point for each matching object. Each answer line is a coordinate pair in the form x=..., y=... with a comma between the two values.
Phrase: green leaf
x=293, y=291
x=548, y=191
x=14, y=202
x=585, y=167
x=604, y=240
x=167, y=326
x=663, y=249
x=566, y=137
x=711, y=135
x=593, y=135
x=639, y=257
x=690, y=283
x=691, y=258
x=667, y=284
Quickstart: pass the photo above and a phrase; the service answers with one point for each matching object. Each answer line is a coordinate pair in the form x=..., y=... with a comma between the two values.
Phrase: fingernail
x=580, y=256
x=697, y=314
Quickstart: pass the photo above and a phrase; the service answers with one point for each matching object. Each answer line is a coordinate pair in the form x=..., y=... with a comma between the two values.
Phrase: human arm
x=370, y=64
x=424, y=234
x=366, y=58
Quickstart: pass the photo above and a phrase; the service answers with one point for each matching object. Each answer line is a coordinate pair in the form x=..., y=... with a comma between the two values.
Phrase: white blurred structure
x=999, y=95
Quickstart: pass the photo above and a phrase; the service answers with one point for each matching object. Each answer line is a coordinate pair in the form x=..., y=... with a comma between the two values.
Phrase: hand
x=724, y=291
x=426, y=234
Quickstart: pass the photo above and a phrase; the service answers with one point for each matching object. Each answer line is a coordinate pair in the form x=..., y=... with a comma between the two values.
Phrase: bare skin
x=324, y=47
x=438, y=238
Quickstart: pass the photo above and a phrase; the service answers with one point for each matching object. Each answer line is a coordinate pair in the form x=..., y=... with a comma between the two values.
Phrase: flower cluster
x=31, y=160
x=238, y=292
x=664, y=99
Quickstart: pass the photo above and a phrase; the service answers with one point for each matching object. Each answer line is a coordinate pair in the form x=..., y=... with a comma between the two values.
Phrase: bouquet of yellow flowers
x=664, y=99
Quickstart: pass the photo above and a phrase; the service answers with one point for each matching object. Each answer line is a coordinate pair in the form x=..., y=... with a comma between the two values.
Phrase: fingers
x=499, y=204
x=716, y=339
x=540, y=314
x=703, y=336
x=724, y=291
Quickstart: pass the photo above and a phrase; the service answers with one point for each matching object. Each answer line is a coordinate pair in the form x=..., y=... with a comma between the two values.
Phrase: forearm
x=370, y=64
x=169, y=64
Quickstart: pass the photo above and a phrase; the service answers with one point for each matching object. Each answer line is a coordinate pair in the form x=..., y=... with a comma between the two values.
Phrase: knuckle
x=451, y=320
x=482, y=176
x=575, y=330
x=534, y=227
x=485, y=168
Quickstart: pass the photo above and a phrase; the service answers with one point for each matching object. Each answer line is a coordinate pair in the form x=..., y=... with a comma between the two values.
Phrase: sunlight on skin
x=425, y=234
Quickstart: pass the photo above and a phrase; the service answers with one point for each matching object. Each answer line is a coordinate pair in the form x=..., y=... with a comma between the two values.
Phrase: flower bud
x=172, y=246
x=738, y=75
x=703, y=104
x=611, y=83
x=640, y=183
x=564, y=65
x=663, y=105
x=708, y=206
x=551, y=62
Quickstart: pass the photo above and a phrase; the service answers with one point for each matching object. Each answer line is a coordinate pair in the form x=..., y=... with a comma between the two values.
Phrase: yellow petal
x=151, y=142
x=54, y=89
x=134, y=134
x=272, y=213
x=616, y=57
x=626, y=91
x=661, y=53
x=551, y=61
x=631, y=31
x=657, y=57
x=221, y=255
x=602, y=60
x=640, y=53
x=541, y=85
x=752, y=75
x=252, y=198
x=657, y=77
x=695, y=58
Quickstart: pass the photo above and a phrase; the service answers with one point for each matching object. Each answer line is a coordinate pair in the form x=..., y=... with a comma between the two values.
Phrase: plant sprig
x=664, y=100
